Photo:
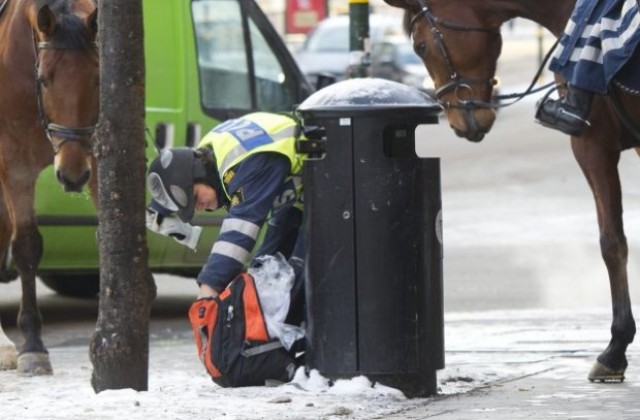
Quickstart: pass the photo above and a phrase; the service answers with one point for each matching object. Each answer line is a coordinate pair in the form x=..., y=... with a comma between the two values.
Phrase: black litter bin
x=373, y=236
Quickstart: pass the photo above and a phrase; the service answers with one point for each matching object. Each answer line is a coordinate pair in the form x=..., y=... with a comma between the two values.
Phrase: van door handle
x=194, y=131
x=164, y=135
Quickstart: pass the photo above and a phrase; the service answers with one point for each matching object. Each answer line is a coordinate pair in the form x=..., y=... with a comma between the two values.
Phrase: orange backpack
x=232, y=338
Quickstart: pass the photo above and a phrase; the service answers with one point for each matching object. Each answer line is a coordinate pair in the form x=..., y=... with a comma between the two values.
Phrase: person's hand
x=183, y=233
x=206, y=291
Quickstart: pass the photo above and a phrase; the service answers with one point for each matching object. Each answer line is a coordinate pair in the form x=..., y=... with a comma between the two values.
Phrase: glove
x=181, y=232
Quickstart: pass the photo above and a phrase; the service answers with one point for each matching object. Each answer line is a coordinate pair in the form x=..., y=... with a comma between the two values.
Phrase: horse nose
x=472, y=124
x=474, y=136
x=70, y=185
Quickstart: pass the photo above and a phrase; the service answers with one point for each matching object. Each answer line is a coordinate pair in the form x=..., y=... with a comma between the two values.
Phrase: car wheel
x=73, y=285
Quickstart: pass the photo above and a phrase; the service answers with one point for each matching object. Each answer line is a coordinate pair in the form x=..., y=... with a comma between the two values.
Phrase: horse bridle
x=56, y=133
x=456, y=82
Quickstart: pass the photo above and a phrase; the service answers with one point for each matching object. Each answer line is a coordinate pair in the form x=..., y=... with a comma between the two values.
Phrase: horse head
x=459, y=44
x=67, y=84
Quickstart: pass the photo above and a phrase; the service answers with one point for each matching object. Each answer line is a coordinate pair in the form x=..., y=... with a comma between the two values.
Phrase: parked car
x=393, y=58
x=326, y=49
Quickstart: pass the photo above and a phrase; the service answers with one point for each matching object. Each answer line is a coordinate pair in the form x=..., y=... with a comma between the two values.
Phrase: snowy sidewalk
x=500, y=365
x=529, y=365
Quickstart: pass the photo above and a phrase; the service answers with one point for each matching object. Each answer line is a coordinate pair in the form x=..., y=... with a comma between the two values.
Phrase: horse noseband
x=59, y=134
x=461, y=84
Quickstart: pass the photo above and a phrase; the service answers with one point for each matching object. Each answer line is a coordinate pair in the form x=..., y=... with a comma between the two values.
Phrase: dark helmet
x=171, y=177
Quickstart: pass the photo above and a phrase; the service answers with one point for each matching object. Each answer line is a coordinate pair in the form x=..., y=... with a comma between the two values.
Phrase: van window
x=274, y=91
x=237, y=72
x=222, y=59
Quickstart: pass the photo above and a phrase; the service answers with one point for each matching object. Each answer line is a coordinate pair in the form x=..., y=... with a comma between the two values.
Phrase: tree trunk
x=119, y=347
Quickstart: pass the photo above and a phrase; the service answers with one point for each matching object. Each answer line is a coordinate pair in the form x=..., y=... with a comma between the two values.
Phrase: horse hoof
x=601, y=373
x=8, y=357
x=34, y=364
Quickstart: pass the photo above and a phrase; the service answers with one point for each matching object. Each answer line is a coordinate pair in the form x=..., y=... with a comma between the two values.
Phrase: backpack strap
x=263, y=348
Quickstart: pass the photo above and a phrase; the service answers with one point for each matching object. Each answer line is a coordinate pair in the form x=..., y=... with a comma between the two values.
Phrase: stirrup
x=544, y=99
x=575, y=116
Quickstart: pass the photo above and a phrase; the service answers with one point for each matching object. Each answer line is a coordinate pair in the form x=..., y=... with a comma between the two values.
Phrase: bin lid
x=368, y=94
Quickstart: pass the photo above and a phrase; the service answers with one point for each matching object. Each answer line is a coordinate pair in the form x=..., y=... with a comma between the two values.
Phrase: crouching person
x=248, y=165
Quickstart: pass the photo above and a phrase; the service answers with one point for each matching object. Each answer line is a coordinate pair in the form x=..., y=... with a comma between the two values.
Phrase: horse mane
x=71, y=31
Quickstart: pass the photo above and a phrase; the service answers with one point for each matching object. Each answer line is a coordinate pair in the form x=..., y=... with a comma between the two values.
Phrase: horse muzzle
x=76, y=185
x=474, y=136
x=471, y=123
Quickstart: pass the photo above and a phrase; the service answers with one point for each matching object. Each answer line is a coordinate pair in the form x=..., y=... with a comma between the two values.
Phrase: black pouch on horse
x=232, y=338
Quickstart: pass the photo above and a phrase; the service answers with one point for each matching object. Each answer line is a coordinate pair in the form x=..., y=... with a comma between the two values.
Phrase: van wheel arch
x=73, y=285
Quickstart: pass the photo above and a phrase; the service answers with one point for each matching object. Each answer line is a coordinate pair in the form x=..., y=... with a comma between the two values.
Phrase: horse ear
x=46, y=20
x=92, y=22
x=403, y=4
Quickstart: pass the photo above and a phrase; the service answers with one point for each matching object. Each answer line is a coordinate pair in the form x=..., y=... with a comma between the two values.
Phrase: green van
x=206, y=61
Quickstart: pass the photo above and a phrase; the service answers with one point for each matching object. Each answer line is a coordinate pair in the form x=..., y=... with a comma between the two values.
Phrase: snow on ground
x=510, y=344
x=180, y=389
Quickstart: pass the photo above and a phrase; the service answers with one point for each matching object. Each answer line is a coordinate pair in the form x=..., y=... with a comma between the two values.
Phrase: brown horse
x=49, y=99
x=460, y=42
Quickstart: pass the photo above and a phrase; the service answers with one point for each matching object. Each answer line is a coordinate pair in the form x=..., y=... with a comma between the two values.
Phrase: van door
x=223, y=59
x=242, y=63
x=236, y=64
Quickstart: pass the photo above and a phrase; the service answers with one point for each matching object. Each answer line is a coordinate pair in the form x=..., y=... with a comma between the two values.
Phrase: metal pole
x=359, y=41
x=540, y=37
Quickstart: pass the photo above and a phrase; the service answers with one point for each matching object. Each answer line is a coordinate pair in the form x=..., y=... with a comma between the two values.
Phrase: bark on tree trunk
x=119, y=348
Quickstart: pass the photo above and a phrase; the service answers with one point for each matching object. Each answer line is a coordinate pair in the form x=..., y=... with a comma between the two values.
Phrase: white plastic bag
x=274, y=278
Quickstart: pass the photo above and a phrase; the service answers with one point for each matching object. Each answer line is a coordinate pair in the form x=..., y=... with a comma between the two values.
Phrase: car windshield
x=329, y=39
x=335, y=37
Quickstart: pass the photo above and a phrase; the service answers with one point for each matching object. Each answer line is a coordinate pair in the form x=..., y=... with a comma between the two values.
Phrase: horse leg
x=8, y=352
x=599, y=165
x=26, y=249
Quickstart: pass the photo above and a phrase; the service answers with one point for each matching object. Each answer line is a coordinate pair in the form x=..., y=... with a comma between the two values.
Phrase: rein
x=58, y=134
x=457, y=82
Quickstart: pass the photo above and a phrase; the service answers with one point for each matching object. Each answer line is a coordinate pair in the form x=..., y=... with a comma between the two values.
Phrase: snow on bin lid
x=368, y=93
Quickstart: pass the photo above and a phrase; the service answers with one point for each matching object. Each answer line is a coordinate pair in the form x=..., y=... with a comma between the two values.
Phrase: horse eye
x=420, y=48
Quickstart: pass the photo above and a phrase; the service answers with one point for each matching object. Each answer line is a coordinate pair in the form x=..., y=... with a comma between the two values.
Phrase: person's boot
x=568, y=114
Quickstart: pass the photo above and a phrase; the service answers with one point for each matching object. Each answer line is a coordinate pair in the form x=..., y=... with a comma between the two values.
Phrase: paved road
x=71, y=321
x=519, y=220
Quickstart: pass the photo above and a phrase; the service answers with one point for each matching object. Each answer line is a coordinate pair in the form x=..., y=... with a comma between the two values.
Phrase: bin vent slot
x=400, y=141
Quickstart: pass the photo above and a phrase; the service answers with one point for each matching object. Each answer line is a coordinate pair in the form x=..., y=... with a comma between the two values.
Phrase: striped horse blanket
x=599, y=43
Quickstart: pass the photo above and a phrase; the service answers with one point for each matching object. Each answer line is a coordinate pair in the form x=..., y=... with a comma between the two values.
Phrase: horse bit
x=456, y=82
x=62, y=133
